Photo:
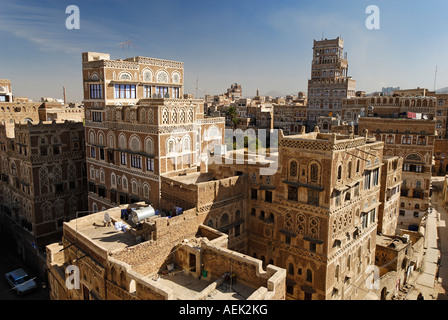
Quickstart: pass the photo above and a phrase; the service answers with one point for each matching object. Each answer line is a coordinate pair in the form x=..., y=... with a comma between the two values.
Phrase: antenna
x=127, y=44
x=435, y=78
x=197, y=76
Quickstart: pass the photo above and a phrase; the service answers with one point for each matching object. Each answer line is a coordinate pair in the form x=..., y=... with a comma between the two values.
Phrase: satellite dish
x=106, y=217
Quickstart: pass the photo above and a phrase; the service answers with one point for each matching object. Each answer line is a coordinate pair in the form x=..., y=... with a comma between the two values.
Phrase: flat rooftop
x=187, y=287
x=104, y=236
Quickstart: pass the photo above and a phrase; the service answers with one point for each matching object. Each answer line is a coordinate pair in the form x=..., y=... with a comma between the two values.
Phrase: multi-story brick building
x=422, y=107
x=329, y=83
x=412, y=140
x=42, y=183
x=22, y=110
x=138, y=128
x=391, y=178
x=317, y=216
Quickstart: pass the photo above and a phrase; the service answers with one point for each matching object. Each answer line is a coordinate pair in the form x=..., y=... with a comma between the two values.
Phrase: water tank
x=140, y=214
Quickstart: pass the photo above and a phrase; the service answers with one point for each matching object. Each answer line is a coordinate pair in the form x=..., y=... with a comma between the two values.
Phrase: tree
x=233, y=115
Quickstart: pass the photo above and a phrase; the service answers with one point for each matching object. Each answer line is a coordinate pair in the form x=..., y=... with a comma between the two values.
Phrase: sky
x=260, y=44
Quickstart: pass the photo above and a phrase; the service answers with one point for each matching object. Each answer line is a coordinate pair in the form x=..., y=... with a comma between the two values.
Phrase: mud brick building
x=391, y=179
x=317, y=216
x=22, y=110
x=330, y=82
x=139, y=128
x=413, y=140
x=42, y=183
x=161, y=258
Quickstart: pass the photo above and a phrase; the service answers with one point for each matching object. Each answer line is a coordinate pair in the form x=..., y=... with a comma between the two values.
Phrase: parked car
x=20, y=281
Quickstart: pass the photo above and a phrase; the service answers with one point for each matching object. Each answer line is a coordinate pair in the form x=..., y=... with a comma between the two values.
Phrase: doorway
x=192, y=262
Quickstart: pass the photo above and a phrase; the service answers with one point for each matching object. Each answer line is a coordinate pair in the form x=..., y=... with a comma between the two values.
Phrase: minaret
x=65, y=97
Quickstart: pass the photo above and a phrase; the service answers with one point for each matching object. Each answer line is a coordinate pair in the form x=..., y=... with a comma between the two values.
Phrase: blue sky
x=260, y=44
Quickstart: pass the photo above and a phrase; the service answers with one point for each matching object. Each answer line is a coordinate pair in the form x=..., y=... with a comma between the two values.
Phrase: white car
x=20, y=281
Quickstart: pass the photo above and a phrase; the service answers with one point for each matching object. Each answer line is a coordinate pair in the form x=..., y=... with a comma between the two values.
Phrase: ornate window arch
x=102, y=176
x=174, y=115
x=182, y=115
x=186, y=143
x=111, y=140
x=149, y=145
x=146, y=189
x=122, y=141
x=224, y=220
x=92, y=139
x=124, y=75
x=314, y=227
x=170, y=145
x=57, y=173
x=147, y=75
x=92, y=172
x=134, y=186
x=190, y=115
x=162, y=76
x=113, y=180
x=165, y=116
x=293, y=168
x=175, y=77
x=124, y=181
x=43, y=179
x=135, y=143
x=301, y=223
x=101, y=140
x=142, y=116
x=150, y=116
x=314, y=172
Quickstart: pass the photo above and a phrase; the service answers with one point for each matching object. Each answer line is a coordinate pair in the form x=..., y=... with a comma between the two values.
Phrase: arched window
x=170, y=146
x=349, y=170
x=162, y=76
x=309, y=275
x=122, y=141
x=149, y=145
x=134, y=143
x=339, y=172
x=146, y=191
x=174, y=116
x=293, y=168
x=125, y=182
x=186, y=144
x=291, y=269
x=134, y=187
x=224, y=220
x=113, y=180
x=314, y=173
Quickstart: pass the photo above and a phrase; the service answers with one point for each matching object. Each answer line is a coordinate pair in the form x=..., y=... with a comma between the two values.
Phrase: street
x=8, y=262
x=441, y=286
x=432, y=282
